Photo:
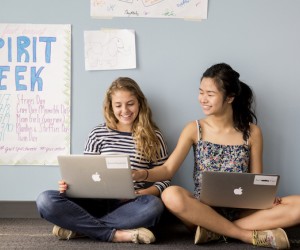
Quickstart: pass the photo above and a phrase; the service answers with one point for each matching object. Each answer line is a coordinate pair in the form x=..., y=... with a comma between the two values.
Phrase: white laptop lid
x=97, y=176
x=238, y=190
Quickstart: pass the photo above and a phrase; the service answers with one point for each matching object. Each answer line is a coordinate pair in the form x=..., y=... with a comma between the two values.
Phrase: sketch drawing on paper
x=188, y=9
x=109, y=49
x=148, y=3
x=100, y=54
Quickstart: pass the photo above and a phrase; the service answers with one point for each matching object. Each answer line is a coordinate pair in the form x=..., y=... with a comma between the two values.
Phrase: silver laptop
x=238, y=190
x=97, y=176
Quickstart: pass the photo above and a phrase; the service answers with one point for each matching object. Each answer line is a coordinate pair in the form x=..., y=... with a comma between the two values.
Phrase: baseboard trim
x=18, y=209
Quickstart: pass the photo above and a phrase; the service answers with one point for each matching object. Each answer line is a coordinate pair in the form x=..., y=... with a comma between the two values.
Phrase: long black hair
x=227, y=80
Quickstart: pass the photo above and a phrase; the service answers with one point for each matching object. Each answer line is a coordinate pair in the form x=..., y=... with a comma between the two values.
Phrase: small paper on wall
x=110, y=49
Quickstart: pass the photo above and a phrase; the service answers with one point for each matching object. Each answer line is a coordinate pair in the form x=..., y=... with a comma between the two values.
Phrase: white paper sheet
x=110, y=49
x=187, y=9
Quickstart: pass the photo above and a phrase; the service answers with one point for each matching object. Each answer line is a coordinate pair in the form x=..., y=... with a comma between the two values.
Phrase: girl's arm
x=169, y=168
x=256, y=149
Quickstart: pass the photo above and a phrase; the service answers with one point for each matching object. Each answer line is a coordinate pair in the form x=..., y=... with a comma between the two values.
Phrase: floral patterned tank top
x=217, y=157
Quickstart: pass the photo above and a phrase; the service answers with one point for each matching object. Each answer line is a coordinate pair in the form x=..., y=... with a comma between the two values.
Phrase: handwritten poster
x=109, y=49
x=187, y=9
x=35, y=79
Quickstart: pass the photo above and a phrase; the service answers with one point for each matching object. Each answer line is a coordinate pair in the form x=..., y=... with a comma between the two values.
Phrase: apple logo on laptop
x=96, y=177
x=238, y=191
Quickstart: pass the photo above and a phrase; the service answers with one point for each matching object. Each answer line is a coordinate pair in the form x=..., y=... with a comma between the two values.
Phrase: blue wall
x=260, y=39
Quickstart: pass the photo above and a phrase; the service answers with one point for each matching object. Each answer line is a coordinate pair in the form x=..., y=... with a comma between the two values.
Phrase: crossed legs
x=192, y=212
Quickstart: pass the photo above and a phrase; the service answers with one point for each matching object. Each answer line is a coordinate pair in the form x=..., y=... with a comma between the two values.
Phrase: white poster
x=35, y=79
x=109, y=49
x=187, y=9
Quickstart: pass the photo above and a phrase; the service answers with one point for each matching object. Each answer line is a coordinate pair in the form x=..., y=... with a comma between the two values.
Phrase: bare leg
x=191, y=211
x=122, y=236
x=285, y=214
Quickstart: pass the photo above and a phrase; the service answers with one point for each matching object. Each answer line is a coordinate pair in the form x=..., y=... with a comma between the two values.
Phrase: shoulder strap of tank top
x=198, y=130
x=247, y=141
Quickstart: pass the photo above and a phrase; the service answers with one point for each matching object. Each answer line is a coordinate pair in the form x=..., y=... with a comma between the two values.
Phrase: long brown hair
x=143, y=128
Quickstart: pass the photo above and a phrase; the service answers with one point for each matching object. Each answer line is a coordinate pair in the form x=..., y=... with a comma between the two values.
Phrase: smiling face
x=211, y=98
x=125, y=107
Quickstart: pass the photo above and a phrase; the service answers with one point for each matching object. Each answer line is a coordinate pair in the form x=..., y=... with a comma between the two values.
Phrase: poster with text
x=186, y=9
x=35, y=85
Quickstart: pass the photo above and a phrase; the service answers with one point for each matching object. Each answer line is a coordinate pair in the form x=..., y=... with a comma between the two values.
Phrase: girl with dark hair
x=227, y=139
x=128, y=129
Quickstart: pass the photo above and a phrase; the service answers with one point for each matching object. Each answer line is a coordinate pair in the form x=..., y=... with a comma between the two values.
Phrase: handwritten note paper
x=188, y=9
x=34, y=93
x=109, y=49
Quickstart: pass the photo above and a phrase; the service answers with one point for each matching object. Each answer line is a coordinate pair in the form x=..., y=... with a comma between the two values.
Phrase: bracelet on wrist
x=147, y=174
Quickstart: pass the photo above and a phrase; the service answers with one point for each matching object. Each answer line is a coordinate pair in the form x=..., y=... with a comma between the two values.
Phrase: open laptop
x=238, y=190
x=97, y=176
